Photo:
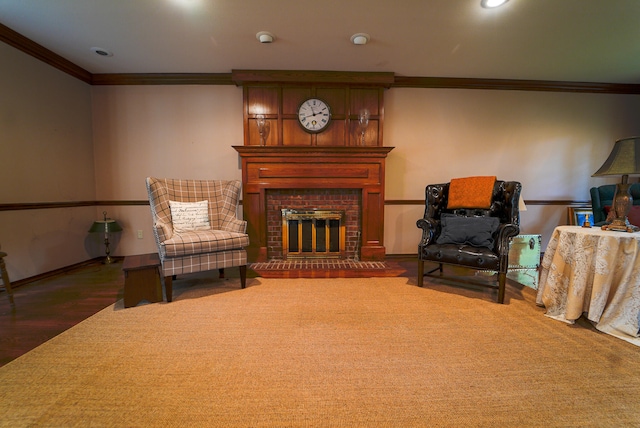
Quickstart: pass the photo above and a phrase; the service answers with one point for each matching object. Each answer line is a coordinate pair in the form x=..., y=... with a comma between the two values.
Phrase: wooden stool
x=142, y=279
x=5, y=277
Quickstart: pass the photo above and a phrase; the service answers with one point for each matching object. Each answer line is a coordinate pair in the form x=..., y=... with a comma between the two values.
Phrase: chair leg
x=168, y=287
x=420, y=273
x=243, y=276
x=221, y=272
x=5, y=279
x=502, y=279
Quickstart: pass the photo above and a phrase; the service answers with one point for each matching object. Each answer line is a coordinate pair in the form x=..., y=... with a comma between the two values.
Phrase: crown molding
x=162, y=79
x=28, y=46
x=385, y=79
x=515, y=85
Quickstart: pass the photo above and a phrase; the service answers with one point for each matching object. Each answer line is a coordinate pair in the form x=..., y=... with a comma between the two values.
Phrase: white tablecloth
x=595, y=272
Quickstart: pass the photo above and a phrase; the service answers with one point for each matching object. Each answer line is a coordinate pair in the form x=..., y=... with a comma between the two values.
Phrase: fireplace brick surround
x=346, y=200
x=317, y=173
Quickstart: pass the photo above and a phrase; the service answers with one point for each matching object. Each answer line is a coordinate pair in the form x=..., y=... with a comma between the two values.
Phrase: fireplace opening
x=346, y=201
x=313, y=233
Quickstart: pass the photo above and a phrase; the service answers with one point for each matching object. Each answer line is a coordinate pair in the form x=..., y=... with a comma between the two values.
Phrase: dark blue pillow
x=474, y=231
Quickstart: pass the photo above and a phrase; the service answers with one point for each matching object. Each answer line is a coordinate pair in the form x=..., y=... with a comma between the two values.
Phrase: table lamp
x=623, y=160
x=106, y=226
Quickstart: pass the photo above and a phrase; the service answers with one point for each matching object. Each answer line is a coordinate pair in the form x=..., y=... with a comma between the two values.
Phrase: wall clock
x=314, y=115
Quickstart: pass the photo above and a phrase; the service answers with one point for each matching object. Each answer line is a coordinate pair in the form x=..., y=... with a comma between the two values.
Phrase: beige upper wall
x=47, y=155
x=164, y=131
x=45, y=132
x=552, y=142
x=549, y=141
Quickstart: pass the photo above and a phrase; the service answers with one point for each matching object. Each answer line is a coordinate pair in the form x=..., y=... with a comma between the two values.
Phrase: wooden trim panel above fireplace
x=292, y=167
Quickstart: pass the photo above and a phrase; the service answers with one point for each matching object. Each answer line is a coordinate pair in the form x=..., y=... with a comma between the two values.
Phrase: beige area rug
x=325, y=353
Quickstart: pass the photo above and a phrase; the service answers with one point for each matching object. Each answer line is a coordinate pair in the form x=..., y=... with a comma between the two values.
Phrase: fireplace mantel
x=334, y=151
x=314, y=167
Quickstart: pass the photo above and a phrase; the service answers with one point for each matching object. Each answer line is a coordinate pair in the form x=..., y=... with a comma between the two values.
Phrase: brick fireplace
x=345, y=201
x=349, y=179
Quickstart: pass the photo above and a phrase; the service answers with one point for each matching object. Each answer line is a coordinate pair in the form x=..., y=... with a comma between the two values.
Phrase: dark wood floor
x=47, y=307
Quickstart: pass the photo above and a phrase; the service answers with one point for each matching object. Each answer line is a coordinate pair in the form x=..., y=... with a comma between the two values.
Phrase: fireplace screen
x=313, y=234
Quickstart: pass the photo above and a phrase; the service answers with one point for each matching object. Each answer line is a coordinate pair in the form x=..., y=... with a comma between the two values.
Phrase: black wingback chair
x=472, y=238
x=602, y=197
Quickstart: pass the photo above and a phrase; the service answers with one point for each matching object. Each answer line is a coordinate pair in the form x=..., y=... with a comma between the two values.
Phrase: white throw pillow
x=187, y=216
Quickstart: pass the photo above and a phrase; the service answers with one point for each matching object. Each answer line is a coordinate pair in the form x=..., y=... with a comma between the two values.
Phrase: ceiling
x=557, y=40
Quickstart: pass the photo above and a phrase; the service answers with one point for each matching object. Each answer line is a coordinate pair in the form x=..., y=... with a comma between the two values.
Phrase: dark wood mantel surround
x=274, y=167
x=292, y=159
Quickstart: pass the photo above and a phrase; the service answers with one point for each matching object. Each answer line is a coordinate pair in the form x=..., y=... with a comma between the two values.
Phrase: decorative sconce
x=263, y=128
x=106, y=226
x=363, y=123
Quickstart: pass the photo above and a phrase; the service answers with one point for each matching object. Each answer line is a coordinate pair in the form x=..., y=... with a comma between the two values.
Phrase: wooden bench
x=142, y=279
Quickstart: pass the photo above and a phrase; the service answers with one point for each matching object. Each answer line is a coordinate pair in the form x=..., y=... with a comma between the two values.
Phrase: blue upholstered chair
x=602, y=198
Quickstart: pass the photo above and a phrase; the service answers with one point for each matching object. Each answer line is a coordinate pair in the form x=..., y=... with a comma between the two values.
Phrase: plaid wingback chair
x=218, y=245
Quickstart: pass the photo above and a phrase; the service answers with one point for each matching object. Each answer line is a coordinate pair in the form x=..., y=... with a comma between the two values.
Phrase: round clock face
x=314, y=115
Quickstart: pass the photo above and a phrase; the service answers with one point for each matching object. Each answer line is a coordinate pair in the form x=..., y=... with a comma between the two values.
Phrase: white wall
x=549, y=141
x=47, y=155
x=161, y=131
x=552, y=142
x=63, y=140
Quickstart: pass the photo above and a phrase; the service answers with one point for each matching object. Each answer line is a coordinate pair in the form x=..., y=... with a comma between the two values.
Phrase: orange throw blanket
x=471, y=192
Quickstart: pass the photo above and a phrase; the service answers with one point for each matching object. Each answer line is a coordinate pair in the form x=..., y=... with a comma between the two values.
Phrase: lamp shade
x=623, y=160
x=106, y=226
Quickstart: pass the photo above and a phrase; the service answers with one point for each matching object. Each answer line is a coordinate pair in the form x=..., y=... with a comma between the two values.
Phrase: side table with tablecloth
x=593, y=272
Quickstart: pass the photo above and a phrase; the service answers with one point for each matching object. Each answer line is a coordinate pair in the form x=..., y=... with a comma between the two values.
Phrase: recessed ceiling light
x=101, y=52
x=492, y=3
x=360, y=39
x=265, y=37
